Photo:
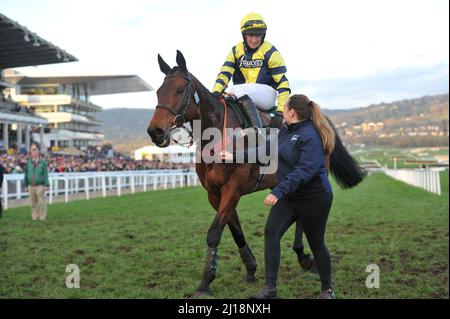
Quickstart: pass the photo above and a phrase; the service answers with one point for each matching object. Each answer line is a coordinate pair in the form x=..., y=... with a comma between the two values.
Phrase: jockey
x=258, y=72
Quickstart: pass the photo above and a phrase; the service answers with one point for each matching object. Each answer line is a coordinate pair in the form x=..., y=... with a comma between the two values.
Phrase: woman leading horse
x=183, y=99
x=303, y=192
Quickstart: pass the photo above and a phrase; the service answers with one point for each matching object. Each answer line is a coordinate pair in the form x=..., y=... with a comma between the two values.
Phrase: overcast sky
x=342, y=54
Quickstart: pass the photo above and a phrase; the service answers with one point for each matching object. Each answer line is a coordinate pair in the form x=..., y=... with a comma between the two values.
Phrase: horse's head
x=177, y=101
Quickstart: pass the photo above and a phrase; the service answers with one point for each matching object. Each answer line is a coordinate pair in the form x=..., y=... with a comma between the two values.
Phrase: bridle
x=180, y=110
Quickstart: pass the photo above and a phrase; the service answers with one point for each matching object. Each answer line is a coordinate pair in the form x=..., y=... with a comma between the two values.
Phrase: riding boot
x=249, y=261
x=266, y=293
x=210, y=269
x=252, y=113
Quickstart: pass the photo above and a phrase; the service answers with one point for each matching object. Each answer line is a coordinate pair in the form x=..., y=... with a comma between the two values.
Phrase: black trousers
x=313, y=214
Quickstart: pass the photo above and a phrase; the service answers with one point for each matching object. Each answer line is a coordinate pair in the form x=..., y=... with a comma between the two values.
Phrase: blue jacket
x=301, y=162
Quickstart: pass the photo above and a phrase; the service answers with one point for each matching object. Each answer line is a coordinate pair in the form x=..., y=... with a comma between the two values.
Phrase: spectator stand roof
x=20, y=47
x=96, y=84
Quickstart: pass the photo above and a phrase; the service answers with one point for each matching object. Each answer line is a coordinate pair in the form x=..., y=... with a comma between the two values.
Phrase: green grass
x=385, y=155
x=152, y=245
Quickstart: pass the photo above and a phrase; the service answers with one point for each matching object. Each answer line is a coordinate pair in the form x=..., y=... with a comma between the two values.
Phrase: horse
x=182, y=98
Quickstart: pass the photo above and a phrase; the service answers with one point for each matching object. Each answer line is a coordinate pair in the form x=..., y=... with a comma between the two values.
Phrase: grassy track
x=152, y=245
x=385, y=155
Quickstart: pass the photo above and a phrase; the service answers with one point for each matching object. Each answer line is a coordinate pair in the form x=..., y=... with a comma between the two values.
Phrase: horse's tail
x=345, y=169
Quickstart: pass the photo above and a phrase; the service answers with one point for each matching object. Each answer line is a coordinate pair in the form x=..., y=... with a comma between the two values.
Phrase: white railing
x=73, y=183
x=427, y=179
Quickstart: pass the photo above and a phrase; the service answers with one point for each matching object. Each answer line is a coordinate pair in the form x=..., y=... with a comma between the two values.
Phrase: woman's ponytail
x=307, y=109
x=323, y=127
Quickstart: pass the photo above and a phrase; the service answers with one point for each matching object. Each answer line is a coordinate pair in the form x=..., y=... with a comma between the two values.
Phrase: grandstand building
x=65, y=103
x=20, y=47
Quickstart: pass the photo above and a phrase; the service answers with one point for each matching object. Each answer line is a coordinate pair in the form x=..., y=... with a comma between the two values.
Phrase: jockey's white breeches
x=263, y=95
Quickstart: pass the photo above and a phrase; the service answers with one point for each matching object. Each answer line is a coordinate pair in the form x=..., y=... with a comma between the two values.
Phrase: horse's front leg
x=228, y=202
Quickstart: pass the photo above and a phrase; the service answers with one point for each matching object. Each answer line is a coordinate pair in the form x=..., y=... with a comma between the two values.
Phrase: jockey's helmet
x=253, y=23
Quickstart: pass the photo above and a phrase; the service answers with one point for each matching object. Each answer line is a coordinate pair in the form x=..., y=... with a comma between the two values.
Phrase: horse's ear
x=181, y=61
x=164, y=67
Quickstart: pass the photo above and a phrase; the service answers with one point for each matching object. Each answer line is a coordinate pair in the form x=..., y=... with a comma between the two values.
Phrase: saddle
x=266, y=115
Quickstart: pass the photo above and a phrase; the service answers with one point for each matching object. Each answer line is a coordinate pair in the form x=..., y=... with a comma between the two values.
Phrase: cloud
x=323, y=39
x=401, y=83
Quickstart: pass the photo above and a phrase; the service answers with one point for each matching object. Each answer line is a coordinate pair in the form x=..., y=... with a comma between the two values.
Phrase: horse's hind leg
x=306, y=262
x=298, y=246
x=244, y=250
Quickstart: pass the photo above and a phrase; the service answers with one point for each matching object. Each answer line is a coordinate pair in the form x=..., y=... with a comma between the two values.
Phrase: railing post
x=50, y=192
x=66, y=189
x=5, y=193
x=119, y=186
x=56, y=187
x=86, y=187
x=104, y=185
x=145, y=183
x=132, y=183
x=18, y=192
x=438, y=173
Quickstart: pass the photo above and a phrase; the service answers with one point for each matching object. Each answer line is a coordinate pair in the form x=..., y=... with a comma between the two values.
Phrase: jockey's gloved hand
x=216, y=95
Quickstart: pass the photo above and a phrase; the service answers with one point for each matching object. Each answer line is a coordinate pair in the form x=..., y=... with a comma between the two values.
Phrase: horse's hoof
x=305, y=262
x=251, y=278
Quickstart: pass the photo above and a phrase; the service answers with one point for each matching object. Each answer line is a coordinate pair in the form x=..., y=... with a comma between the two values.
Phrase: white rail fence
x=74, y=183
x=427, y=179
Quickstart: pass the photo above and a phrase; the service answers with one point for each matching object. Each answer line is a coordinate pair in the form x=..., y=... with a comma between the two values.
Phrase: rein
x=224, y=128
x=180, y=110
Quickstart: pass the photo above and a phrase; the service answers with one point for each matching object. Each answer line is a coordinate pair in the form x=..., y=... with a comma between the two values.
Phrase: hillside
x=125, y=128
x=417, y=122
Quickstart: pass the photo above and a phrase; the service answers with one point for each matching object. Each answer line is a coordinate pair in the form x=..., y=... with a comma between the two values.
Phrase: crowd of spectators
x=8, y=104
x=94, y=160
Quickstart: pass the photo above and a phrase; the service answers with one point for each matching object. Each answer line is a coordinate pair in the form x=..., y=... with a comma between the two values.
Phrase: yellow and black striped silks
x=265, y=66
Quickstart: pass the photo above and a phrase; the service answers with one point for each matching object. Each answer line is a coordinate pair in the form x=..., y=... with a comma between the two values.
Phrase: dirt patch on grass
x=3, y=245
x=151, y=284
x=405, y=255
x=437, y=269
x=89, y=261
x=441, y=294
x=34, y=267
x=386, y=264
x=79, y=252
x=123, y=249
x=407, y=282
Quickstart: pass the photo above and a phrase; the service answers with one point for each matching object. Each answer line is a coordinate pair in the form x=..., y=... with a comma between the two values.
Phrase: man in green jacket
x=36, y=183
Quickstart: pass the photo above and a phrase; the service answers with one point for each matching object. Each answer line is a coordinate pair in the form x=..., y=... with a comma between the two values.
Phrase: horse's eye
x=180, y=90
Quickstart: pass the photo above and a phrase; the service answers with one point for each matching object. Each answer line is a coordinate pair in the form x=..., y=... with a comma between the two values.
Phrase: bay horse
x=183, y=99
